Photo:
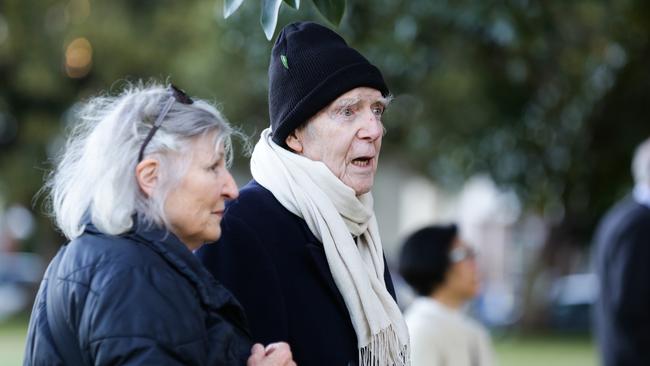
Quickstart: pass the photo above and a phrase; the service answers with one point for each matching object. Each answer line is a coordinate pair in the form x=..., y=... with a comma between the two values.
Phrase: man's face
x=346, y=137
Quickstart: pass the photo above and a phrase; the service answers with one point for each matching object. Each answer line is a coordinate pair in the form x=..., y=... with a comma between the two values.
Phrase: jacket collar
x=211, y=293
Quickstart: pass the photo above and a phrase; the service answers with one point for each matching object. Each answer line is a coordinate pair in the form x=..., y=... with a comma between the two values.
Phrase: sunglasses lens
x=180, y=96
x=462, y=253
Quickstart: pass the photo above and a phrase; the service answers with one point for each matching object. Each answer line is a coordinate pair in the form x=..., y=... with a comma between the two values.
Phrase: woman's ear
x=293, y=141
x=146, y=173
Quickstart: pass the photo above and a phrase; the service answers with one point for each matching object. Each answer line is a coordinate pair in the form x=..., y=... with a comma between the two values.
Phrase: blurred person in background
x=442, y=269
x=622, y=261
x=300, y=246
x=141, y=183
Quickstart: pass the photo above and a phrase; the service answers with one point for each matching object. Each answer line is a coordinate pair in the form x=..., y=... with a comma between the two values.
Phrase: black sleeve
x=629, y=271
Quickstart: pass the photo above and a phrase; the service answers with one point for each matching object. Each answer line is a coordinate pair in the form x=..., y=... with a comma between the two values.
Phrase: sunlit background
x=516, y=119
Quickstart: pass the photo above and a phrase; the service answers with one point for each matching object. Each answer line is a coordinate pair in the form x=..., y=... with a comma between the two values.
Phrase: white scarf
x=334, y=215
x=642, y=194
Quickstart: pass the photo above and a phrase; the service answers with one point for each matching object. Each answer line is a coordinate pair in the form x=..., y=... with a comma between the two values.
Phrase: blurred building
x=20, y=272
x=509, y=241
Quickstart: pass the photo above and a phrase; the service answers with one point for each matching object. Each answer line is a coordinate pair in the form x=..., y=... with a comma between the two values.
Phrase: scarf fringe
x=385, y=349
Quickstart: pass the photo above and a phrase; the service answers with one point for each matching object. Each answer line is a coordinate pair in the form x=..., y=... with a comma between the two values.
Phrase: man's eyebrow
x=385, y=100
x=346, y=102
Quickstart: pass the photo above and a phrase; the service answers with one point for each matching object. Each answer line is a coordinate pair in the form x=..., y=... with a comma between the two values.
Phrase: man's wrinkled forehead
x=354, y=96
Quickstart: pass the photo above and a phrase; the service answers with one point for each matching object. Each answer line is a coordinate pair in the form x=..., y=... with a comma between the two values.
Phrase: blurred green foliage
x=550, y=97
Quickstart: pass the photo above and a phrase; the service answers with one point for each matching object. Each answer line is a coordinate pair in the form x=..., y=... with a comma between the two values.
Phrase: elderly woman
x=142, y=182
x=301, y=247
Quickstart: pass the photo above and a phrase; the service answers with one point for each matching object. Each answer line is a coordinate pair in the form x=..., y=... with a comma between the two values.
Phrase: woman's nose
x=230, y=190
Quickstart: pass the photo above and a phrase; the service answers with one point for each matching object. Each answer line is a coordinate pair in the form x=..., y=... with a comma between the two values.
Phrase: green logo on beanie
x=283, y=58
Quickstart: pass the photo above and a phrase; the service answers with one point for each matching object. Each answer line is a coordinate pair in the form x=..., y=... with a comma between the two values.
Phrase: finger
x=257, y=354
x=257, y=348
x=289, y=362
x=275, y=346
x=280, y=355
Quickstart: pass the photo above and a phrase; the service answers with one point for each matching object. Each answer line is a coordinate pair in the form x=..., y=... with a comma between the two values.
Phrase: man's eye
x=347, y=112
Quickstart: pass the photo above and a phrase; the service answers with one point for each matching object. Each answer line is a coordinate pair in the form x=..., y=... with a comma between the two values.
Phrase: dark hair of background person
x=424, y=259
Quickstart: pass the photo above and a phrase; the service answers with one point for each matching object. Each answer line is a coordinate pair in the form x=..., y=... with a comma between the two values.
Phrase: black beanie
x=310, y=67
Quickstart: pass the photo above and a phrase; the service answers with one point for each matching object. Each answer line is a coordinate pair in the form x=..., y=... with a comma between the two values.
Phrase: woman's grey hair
x=95, y=176
x=641, y=163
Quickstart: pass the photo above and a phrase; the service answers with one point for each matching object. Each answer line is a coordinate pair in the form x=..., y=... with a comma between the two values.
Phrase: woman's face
x=195, y=207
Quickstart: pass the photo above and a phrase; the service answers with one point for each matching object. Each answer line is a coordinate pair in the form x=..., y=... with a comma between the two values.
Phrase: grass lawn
x=546, y=350
x=511, y=350
x=12, y=340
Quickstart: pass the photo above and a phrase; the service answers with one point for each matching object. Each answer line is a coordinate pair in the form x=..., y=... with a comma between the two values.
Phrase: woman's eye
x=215, y=167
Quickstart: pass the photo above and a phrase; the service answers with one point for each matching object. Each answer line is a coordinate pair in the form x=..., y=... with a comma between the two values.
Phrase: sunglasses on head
x=177, y=95
x=459, y=254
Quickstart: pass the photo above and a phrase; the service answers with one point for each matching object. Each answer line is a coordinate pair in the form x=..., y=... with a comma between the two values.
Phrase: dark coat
x=276, y=267
x=622, y=259
x=134, y=299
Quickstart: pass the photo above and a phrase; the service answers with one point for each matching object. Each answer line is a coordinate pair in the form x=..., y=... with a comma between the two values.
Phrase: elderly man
x=300, y=246
x=622, y=258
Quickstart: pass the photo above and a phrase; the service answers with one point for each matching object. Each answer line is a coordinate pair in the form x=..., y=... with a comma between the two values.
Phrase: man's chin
x=361, y=185
x=359, y=190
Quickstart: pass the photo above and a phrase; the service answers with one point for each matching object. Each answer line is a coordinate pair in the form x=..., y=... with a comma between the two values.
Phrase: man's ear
x=146, y=173
x=293, y=141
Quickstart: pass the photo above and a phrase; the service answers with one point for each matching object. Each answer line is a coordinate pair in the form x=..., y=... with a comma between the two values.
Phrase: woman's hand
x=275, y=354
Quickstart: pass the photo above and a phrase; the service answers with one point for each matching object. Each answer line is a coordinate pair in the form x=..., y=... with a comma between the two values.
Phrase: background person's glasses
x=177, y=95
x=461, y=253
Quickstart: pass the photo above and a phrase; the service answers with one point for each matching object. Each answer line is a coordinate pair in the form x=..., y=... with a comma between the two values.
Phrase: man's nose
x=372, y=127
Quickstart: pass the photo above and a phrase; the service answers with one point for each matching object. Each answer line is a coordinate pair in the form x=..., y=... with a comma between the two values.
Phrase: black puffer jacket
x=138, y=298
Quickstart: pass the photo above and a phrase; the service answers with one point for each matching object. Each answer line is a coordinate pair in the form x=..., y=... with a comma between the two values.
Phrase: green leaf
x=269, y=18
x=285, y=63
x=293, y=3
x=332, y=10
x=231, y=6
